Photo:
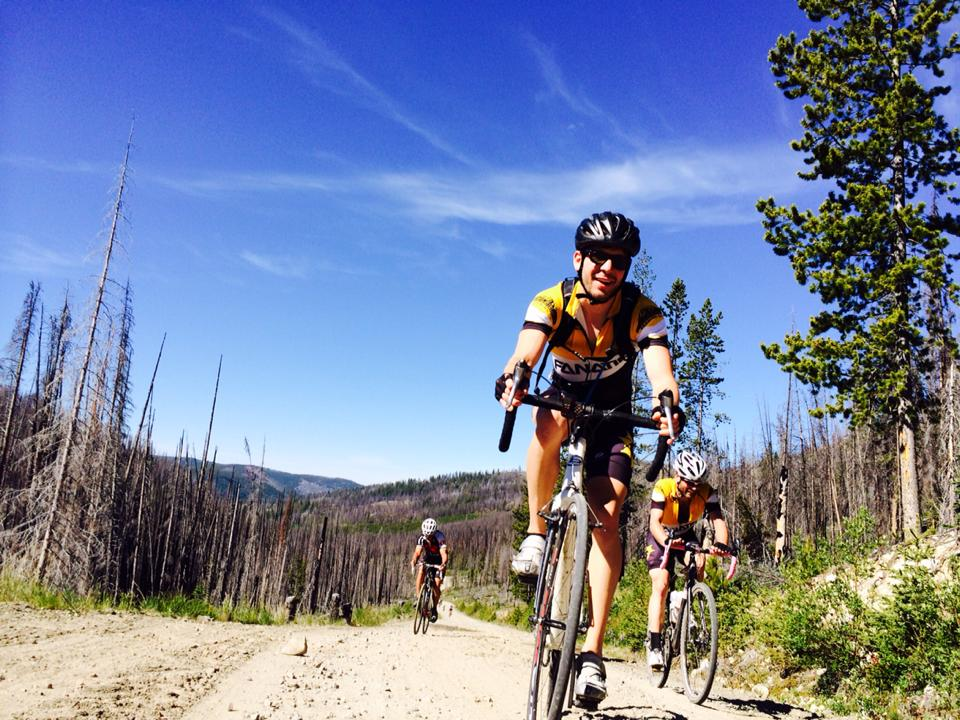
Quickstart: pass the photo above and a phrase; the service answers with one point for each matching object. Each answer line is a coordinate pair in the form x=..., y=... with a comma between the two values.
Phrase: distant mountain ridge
x=273, y=483
x=277, y=482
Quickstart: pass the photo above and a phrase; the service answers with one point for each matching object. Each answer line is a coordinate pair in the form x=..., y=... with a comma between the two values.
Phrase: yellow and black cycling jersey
x=578, y=360
x=676, y=512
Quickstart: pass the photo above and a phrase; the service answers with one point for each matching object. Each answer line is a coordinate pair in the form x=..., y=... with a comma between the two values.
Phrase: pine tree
x=643, y=277
x=699, y=374
x=874, y=249
x=675, y=306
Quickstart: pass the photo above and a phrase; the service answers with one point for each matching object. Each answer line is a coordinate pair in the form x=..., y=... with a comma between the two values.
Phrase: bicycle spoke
x=557, y=613
x=699, y=647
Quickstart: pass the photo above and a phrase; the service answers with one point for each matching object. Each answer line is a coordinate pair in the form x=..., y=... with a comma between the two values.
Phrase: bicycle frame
x=425, y=604
x=693, y=636
x=558, y=600
x=571, y=489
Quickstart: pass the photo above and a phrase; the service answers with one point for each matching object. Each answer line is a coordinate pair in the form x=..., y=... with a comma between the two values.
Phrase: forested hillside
x=270, y=483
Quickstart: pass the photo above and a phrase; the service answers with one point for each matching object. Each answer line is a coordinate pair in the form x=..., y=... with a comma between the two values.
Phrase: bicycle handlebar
x=510, y=417
x=571, y=408
x=692, y=547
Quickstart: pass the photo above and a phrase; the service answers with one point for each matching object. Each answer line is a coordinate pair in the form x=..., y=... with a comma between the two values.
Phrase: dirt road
x=56, y=664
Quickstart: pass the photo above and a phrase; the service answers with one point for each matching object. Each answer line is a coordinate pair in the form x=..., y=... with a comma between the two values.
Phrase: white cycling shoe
x=655, y=660
x=526, y=563
x=591, y=686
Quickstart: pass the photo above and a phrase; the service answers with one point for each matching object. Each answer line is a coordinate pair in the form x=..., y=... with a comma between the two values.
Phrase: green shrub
x=627, y=625
x=734, y=601
x=14, y=588
x=914, y=638
x=373, y=615
x=874, y=659
x=822, y=627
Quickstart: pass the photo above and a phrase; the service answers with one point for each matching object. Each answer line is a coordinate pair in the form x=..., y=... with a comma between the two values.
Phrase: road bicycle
x=690, y=625
x=425, y=605
x=559, y=611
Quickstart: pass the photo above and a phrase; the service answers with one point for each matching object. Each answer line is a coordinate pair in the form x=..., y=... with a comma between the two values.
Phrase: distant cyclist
x=431, y=549
x=677, y=502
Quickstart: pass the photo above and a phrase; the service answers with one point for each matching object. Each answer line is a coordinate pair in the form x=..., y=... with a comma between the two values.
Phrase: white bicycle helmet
x=429, y=526
x=690, y=466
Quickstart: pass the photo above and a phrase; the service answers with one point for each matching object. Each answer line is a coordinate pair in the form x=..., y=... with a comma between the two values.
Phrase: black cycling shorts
x=433, y=560
x=609, y=445
x=654, y=551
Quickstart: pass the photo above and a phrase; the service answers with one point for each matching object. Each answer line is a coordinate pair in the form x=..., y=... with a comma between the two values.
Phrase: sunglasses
x=599, y=257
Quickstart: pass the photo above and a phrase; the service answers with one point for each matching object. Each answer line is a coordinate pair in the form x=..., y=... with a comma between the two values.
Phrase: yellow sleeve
x=544, y=310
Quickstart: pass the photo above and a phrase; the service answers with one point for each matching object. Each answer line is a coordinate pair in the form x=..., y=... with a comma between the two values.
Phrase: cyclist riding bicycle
x=596, y=324
x=677, y=502
x=431, y=549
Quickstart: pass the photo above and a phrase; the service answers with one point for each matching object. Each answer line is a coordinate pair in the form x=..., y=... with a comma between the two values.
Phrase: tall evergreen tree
x=675, y=307
x=874, y=249
x=642, y=276
x=700, y=376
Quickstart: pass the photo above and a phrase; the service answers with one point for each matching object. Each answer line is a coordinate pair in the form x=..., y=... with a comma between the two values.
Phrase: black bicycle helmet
x=608, y=230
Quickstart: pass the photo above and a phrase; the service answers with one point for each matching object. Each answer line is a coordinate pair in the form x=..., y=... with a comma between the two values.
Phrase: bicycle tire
x=420, y=619
x=558, y=601
x=427, y=604
x=659, y=678
x=699, y=648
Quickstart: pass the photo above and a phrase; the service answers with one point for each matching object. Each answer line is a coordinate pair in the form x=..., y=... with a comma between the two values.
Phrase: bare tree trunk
x=227, y=568
x=23, y=329
x=137, y=532
x=316, y=567
x=781, y=540
x=950, y=430
x=64, y=457
x=906, y=408
x=173, y=508
x=909, y=487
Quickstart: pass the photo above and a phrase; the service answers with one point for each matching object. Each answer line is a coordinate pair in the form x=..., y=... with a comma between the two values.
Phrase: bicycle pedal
x=586, y=704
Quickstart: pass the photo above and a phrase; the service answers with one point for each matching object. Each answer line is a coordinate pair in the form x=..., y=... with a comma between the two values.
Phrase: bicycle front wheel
x=557, y=611
x=421, y=617
x=699, y=648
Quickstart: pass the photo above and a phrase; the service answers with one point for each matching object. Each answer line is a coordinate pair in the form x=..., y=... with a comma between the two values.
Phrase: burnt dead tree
x=21, y=337
x=73, y=422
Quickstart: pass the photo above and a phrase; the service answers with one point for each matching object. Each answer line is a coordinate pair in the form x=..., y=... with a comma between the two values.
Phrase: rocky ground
x=56, y=664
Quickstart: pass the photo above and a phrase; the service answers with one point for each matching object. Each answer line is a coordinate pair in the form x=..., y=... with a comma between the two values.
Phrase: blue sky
x=353, y=204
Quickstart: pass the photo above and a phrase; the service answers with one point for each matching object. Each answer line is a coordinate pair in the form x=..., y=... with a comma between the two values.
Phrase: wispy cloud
x=76, y=167
x=681, y=186
x=286, y=266
x=22, y=254
x=496, y=248
x=326, y=70
x=556, y=82
x=577, y=101
x=279, y=265
x=226, y=183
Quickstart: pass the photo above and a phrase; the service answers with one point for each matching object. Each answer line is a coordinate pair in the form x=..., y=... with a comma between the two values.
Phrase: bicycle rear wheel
x=659, y=677
x=698, y=651
x=557, y=611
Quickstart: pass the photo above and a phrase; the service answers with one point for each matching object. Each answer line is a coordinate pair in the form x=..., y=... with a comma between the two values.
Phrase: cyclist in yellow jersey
x=677, y=502
x=596, y=331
